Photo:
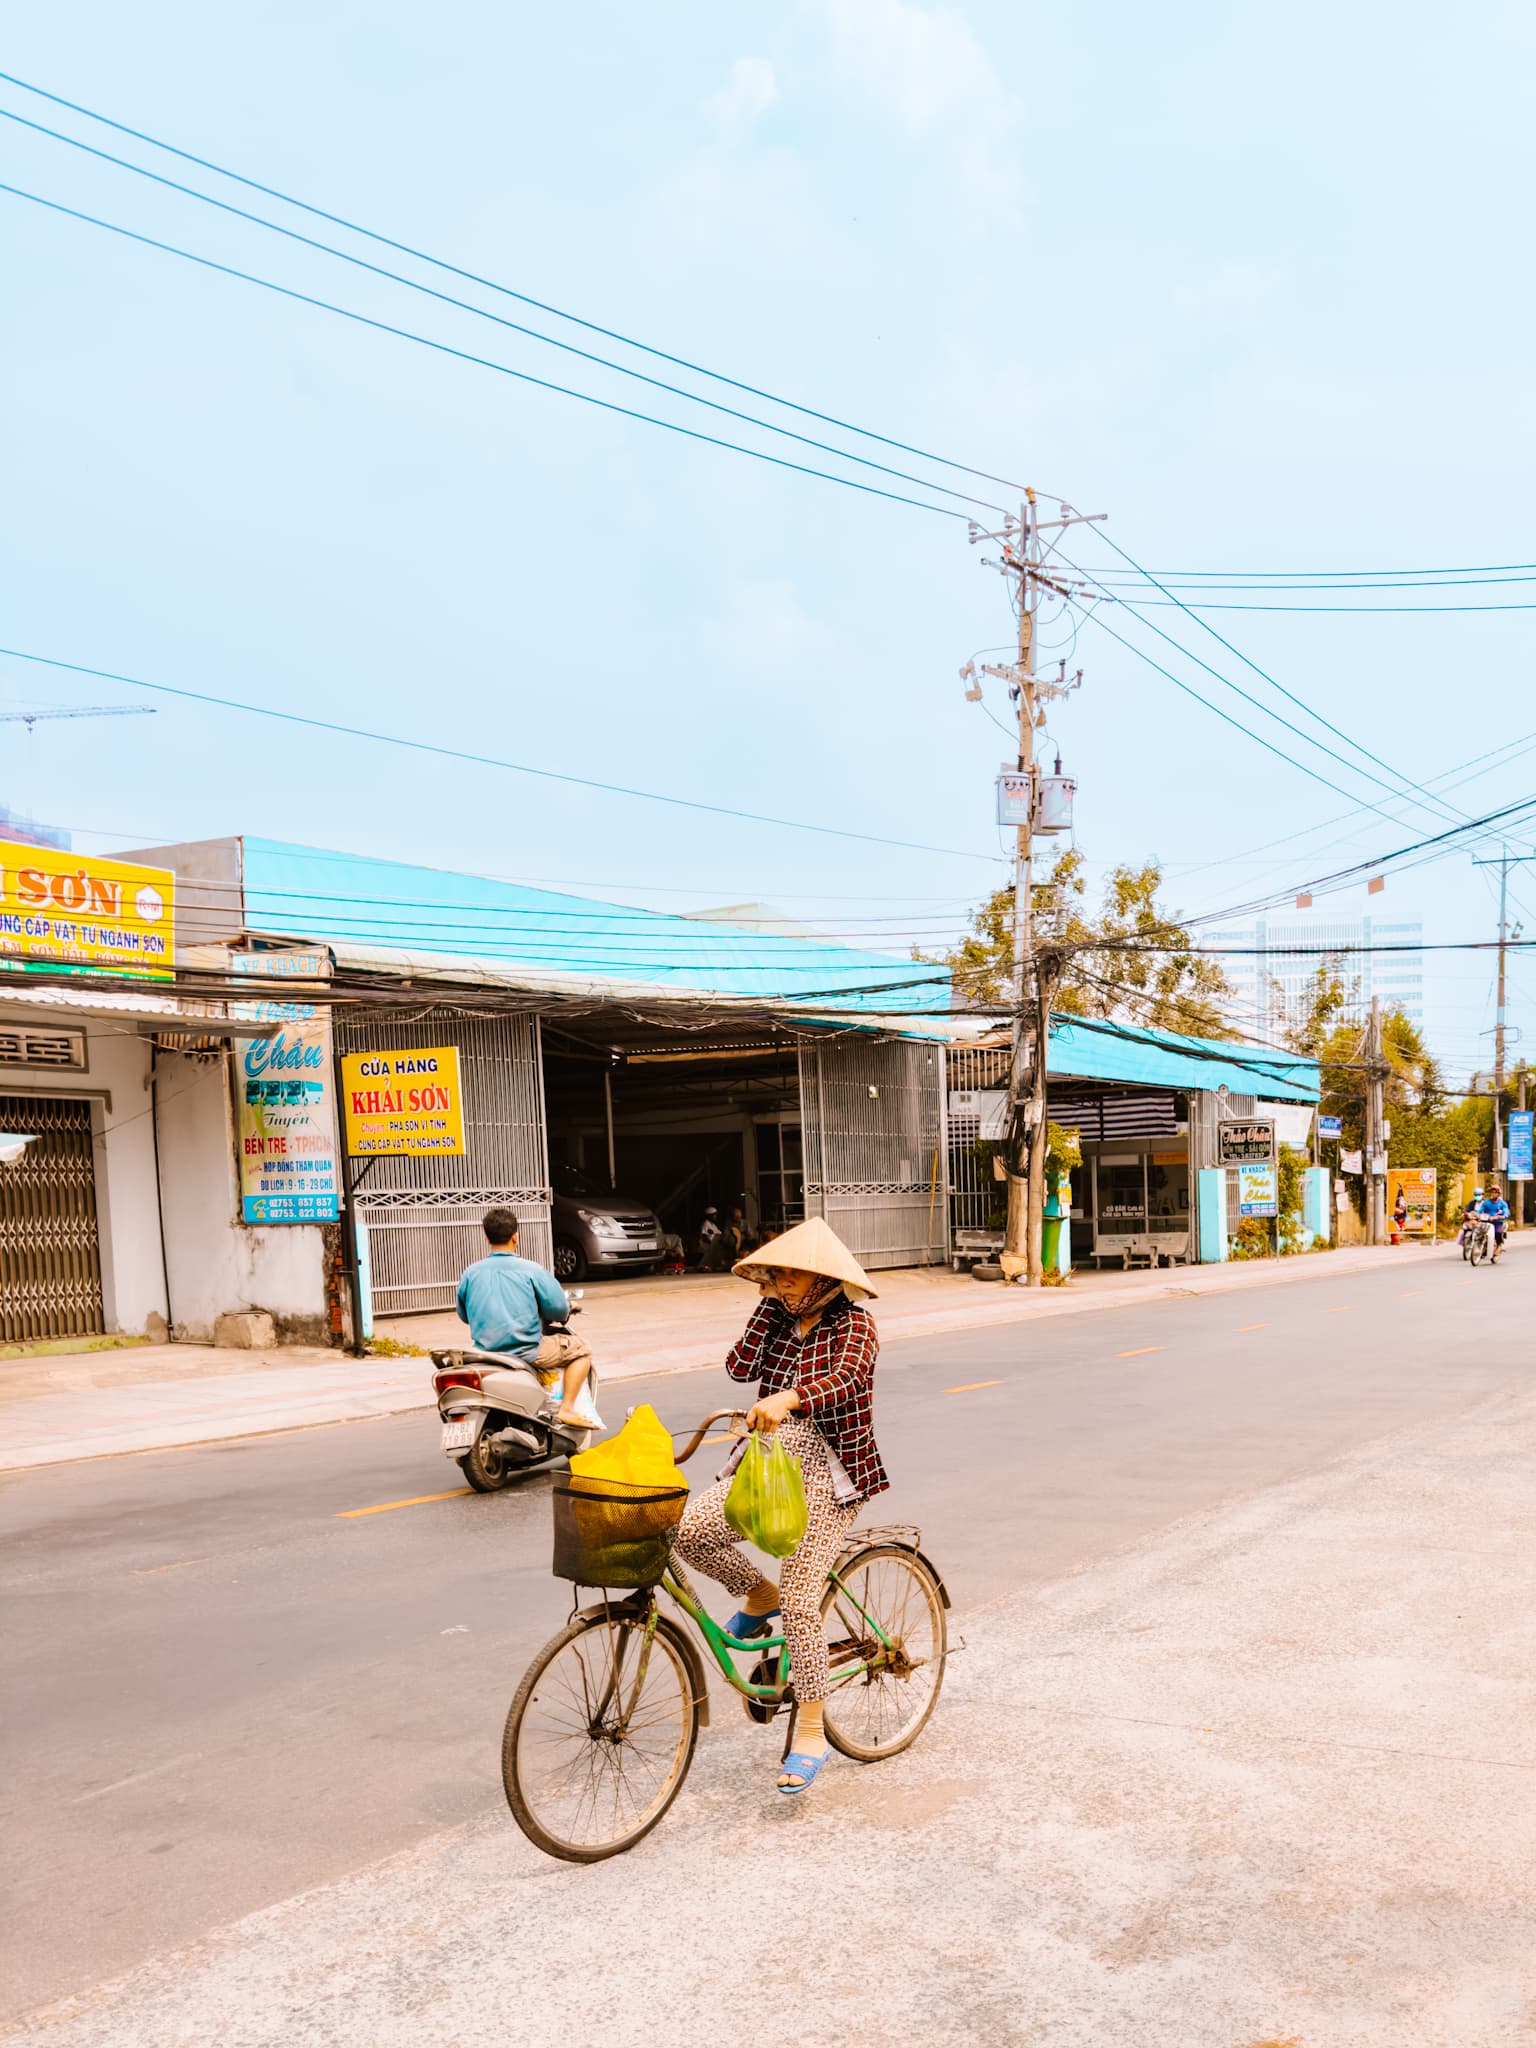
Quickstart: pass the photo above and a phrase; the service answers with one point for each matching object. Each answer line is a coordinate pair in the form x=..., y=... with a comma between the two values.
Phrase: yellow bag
x=640, y=1455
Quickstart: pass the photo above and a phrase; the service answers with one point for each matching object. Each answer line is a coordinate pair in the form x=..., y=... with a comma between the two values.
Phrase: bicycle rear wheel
x=596, y=1749
x=876, y=1712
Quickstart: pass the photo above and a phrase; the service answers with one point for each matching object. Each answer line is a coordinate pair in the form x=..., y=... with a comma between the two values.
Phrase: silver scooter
x=498, y=1413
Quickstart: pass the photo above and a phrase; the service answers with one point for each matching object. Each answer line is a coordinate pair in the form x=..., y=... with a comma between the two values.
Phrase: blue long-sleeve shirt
x=506, y=1302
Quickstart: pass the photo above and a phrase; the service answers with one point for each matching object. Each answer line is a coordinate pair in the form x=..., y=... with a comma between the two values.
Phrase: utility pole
x=1030, y=1029
x=1504, y=863
x=1375, y=1074
x=1035, y=975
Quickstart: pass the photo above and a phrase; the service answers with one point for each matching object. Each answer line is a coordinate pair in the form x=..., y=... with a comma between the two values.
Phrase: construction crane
x=30, y=718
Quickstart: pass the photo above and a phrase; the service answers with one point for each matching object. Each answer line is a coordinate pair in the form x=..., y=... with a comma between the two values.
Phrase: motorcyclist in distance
x=1496, y=1209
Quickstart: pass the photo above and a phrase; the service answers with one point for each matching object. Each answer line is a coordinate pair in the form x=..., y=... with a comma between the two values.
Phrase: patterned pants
x=706, y=1540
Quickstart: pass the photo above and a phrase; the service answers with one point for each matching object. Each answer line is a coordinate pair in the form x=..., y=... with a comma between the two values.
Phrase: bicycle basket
x=610, y=1533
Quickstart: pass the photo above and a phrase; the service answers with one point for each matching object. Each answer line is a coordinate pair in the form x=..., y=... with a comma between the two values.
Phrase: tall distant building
x=1396, y=977
x=27, y=831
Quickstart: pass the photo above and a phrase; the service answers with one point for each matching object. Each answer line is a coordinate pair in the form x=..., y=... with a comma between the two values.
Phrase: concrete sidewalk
x=1265, y=1781
x=154, y=1397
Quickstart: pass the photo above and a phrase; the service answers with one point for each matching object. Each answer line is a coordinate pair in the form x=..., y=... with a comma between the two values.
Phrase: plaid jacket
x=832, y=1370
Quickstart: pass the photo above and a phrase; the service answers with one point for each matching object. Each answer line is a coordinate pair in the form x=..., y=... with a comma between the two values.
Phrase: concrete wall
x=217, y=1263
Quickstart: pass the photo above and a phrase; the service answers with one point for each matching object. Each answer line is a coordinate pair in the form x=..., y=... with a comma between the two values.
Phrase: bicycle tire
x=904, y=1731
x=672, y=1645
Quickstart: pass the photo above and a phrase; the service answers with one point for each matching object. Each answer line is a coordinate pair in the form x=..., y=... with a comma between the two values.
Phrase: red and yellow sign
x=77, y=914
x=1414, y=1188
x=403, y=1101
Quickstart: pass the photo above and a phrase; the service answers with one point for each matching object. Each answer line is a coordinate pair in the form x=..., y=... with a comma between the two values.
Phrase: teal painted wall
x=1213, y=1215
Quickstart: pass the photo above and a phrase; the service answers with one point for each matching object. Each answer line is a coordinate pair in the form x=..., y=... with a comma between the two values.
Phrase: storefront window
x=1122, y=1205
x=1168, y=1193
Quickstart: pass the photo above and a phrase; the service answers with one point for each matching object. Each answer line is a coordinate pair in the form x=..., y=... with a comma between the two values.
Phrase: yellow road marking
x=1408, y=1294
x=975, y=1386
x=1251, y=1326
x=1140, y=1351
x=385, y=1507
x=148, y=1571
x=1343, y=1311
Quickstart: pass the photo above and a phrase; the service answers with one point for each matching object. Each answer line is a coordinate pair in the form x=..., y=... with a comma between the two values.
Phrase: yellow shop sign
x=403, y=1101
x=77, y=914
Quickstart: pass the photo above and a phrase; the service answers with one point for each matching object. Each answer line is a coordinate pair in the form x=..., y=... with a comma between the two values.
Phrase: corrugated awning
x=1086, y=1049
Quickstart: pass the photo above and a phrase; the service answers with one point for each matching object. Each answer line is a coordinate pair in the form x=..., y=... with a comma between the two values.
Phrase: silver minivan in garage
x=598, y=1231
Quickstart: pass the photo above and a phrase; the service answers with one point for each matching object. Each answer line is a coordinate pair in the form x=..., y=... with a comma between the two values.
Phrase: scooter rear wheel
x=486, y=1465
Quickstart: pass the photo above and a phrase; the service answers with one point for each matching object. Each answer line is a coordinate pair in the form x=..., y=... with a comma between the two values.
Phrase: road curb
x=998, y=1305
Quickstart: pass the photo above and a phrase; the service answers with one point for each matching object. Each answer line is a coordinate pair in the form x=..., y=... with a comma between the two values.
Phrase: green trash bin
x=1050, y=1243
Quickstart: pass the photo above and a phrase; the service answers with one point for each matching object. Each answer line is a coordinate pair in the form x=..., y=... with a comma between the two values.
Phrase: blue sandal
x=804, y=1767
x=746, y=1627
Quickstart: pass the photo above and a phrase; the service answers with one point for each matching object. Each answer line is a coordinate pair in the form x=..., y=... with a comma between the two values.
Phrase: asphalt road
x=223, y=1686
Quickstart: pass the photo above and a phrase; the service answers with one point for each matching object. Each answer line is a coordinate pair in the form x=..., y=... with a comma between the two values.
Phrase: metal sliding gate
x=50, y=1256
x=423, y=1215
x=872, y=1114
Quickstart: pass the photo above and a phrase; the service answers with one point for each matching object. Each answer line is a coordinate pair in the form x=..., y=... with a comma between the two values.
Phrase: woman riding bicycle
x=812, y=1350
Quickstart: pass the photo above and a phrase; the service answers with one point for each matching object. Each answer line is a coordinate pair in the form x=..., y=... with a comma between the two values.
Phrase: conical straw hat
x=811, y=1247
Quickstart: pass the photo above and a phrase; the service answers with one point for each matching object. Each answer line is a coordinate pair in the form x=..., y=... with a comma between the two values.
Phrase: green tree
x=1429, y=1128
x=1131, y=960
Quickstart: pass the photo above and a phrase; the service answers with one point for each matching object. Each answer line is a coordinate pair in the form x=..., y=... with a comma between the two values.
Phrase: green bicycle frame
x=722, y=1646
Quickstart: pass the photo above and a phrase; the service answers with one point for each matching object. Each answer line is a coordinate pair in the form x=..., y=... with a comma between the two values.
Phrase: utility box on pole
x=1053, y=806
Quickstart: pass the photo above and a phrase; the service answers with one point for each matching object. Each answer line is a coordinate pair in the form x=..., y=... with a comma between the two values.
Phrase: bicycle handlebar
x=725, y=1415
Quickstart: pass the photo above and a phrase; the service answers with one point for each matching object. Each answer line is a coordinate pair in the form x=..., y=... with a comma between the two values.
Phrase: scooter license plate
x=460, y=1433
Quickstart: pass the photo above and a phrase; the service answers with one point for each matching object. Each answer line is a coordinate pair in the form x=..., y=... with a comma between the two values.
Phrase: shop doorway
x=50, y=1251
x=780, y=1174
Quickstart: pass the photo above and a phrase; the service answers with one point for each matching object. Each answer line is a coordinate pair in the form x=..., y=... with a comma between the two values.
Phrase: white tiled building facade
x=1396, y=977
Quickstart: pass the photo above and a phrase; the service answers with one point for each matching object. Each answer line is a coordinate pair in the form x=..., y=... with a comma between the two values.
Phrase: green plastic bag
x=766, y=1503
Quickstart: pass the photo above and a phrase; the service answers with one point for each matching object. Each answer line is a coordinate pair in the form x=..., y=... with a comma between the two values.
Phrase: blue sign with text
x=1519, y=1140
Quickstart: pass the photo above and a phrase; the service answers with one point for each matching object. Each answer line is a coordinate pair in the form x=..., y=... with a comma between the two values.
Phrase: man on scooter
x=507, y=1300
x=1496, y=1209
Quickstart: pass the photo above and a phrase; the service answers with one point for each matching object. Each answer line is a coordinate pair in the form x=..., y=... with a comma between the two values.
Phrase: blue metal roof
x=1085, y=1049
x=363, y=907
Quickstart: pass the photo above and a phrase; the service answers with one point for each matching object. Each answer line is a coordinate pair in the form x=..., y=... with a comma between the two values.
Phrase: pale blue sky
x=1255, y=282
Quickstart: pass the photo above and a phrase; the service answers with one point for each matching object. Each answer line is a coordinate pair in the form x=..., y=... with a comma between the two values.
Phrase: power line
x=1341, y=610
x=1511, y=748
x=1290, y=695
x=390, y=739
x=482, y=313
x=1226, y=717
x=138, y=839
x=1257, y=576
x=506, y=291
x=467, y=355
x=1375, y=865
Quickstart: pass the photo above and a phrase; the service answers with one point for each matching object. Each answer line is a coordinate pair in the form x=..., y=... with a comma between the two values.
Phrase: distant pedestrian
x=711, y=1242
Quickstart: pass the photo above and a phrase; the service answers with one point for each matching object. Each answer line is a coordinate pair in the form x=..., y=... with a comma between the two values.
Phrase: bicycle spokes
x=886, y=1638
x=602, y=1734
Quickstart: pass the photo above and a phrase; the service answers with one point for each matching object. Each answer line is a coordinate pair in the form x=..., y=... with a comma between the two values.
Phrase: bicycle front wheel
x=599, y=1737
x=875, y=1712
